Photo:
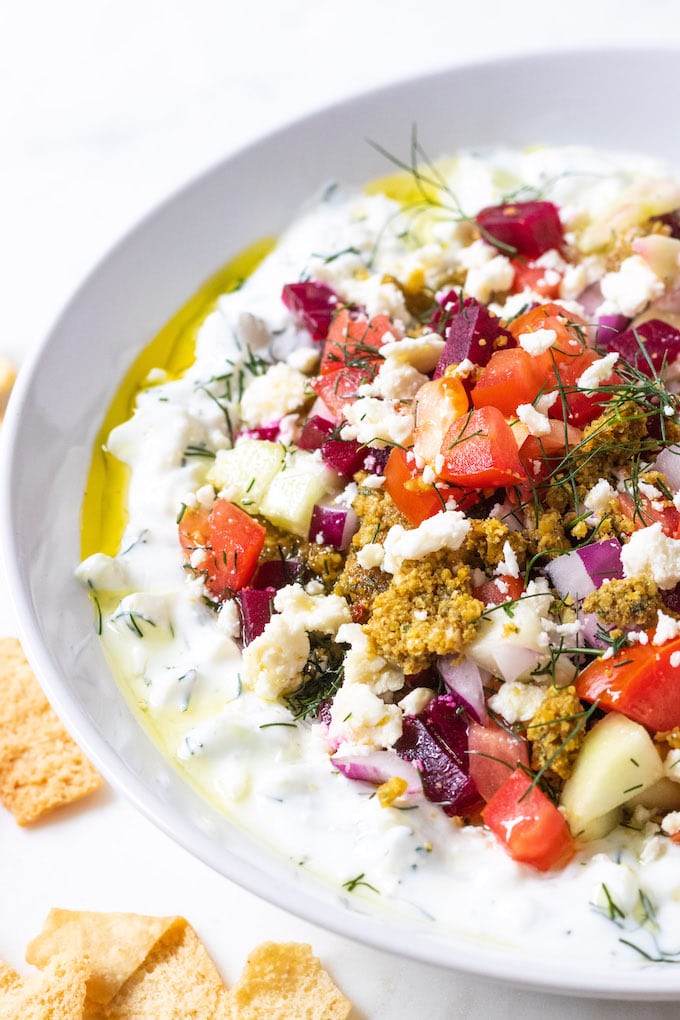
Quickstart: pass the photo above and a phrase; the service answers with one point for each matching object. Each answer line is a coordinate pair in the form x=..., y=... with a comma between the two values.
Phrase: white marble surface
x=105, y=108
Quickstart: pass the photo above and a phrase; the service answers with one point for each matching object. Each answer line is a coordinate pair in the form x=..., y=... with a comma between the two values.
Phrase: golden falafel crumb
x=486, y=540
x=669, y=739
x=626, y=602
x=547, y=536
x=427, y=610
x=377, y=514
x=549, y=729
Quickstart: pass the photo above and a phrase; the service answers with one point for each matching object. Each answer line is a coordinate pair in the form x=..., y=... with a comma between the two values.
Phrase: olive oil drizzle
x=103, y=515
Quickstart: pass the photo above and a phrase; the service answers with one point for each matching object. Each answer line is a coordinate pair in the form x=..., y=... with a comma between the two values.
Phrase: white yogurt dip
x=227, y=715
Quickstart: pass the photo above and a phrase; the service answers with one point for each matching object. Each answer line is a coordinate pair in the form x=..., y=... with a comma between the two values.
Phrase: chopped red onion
x=668, y=463
x=377, y=767
x=582, y=571
x=331, y=525
x=513, y=661
x=591, y=629
x=464, y=680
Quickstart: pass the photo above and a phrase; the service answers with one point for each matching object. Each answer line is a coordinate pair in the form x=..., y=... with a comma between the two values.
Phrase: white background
x=105, y=108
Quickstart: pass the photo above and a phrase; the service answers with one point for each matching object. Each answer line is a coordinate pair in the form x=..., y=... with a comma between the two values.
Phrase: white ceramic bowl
x=620, y=100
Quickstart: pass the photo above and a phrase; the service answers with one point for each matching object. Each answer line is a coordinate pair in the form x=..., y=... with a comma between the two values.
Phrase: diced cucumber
x=618, y=760
x=293, y=492
x=244, y=473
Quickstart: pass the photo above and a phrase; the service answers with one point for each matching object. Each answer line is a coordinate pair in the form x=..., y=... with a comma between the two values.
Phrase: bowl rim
x=345, y=922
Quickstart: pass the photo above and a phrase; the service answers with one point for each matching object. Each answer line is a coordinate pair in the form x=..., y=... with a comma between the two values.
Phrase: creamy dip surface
x=341, y=776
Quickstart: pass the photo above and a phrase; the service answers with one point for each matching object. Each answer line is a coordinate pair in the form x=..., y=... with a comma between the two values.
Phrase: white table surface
x=105, y=108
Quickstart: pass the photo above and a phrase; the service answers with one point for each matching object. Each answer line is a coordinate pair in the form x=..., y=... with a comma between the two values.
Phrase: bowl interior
x=589, y=98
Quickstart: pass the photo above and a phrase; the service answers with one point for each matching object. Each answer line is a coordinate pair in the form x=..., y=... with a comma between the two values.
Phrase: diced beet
x=344, y=456
x=446, y=721
x=268, y=432
x=255, y=608
x=277, y=574
x=312, y=304
x=672, y=220
x=671, y=599
x=315, y=432
x=375, y=460
x=436, y=742
x=469, y=332
x=530, y=228
x=657, y=338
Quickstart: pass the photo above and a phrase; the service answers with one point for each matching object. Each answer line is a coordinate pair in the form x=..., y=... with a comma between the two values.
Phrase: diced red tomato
x=499, y=589
x=570, y=329
x=512, y=377
x=480, y=452
x=540, y=455
x=413, y=497
x=230, y=540
x=640, y=681
x=581, y=407
x=534, y=278
x=337, y=389
x=494, y=753
x=643, y=513
x=529, y=825
x=353, y=342
x=438, y=404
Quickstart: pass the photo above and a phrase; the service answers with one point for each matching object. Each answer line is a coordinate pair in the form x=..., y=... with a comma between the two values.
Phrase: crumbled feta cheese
x=630, y=288
x=446, y=530
x=205, y=497
x=324, y=613
x=671, y=765
x=228, y=620
x=667, y=628
x=373, y=481
x=650, y=552
x=598, y=373
x=279, y=391
x=370, y=419
x=477, y=254
x=516, y=701
x=538, y=424
x=495, y=276
x=599, y=497
x=537, y=342
x=348, y=495
x=508, y=565
x=416, y=700
x=304, y=359
x=670, y=824
x=273, y=662
x=359, y=717
x=420, y=352
x=396, y=380
x=363, y=666
x=650, y=491
x=371, y=555
x=463, y=369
